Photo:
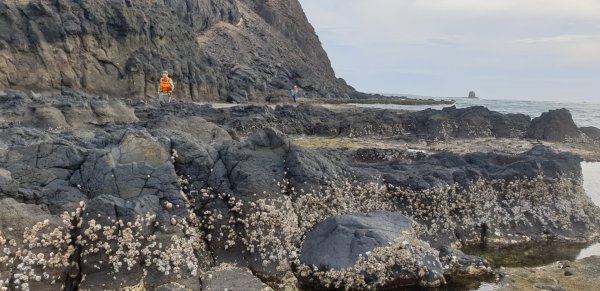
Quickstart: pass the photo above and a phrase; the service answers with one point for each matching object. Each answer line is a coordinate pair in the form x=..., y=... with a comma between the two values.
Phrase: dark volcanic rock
x=591, y=132
x=164, y=193
x=555, y=125
x=232, y=278
x=214, y=48
x=305, y=119
x=469, y=122
x=338, y=242
x=449, y=168
x=457, y=264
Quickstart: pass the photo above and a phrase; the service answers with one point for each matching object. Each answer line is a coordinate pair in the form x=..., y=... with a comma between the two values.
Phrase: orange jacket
x=166, y=85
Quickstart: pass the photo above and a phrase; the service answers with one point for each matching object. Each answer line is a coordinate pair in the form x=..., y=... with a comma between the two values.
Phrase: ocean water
x=584, y=113
x=591, y=180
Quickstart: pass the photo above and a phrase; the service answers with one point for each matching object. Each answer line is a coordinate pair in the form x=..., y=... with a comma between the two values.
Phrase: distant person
x=166, y=87
x=293, y=94
x=296, y=90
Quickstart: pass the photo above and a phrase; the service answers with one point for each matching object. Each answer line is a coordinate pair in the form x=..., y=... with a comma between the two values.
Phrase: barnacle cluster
x=35, y=254
x=378, y=268
x=272, y=229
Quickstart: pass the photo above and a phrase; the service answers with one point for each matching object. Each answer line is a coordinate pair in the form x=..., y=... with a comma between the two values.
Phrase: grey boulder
x=340, y=244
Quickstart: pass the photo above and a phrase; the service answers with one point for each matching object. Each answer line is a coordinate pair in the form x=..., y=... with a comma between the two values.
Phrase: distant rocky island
x=472, y=95
x=232, y=186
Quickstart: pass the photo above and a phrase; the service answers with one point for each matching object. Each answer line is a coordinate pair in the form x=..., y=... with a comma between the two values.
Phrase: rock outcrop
x=149, y=195
x=215, y=49
x=555, y=125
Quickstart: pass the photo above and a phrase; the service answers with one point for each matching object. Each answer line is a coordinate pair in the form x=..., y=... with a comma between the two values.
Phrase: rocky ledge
x=564, y=275
x=99, y=194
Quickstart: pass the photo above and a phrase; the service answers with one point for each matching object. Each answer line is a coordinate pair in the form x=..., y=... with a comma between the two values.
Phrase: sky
x=501, y=49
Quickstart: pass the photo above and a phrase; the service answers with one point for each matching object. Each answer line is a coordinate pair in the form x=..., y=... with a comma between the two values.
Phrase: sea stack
x=472, y=95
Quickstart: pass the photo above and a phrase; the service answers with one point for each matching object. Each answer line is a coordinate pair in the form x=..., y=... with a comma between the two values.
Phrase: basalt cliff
x=231, y=50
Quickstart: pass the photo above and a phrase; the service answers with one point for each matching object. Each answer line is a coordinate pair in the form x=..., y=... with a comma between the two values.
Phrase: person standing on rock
x=296, y=90
x=293, y=94
x=166, y=87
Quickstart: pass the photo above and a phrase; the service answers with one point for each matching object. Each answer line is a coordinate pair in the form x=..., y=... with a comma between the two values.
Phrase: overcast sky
x=504, y=49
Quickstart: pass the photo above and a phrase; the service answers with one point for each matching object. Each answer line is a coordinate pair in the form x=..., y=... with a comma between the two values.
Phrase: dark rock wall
x=215, y=49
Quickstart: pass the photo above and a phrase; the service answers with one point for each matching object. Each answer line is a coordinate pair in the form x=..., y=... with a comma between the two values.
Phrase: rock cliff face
x=216, y=49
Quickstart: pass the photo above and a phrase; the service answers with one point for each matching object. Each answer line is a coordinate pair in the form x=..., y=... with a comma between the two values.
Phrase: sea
x=584, y=113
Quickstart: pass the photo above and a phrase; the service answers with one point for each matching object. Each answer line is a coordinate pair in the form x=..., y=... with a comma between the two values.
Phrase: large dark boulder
x=554, y=125
x=339, y=243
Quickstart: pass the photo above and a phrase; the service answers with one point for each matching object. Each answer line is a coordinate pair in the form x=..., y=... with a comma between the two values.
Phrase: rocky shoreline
x=96, y=193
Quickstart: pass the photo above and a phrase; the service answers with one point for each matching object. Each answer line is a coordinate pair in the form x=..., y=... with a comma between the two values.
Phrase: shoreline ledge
x=97, y=193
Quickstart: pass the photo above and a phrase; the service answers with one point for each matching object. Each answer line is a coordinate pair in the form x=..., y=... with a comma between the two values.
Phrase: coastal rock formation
x=591, y=132
x=215, y=49
x=449, y=169
x=146, y=194
x=316, y=120
x=346, y=249
x=469, y=122
x=555, y=125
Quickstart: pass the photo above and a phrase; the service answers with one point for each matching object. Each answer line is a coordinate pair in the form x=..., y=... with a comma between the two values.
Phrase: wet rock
x=448, y=168
x=591, y=132
x=8, y=186
x=264, y=160
x=555, y=125
x=20, y=221
x=336, y=243
x=139, y=165
x=196, y=127
x=341, y=242
x=458, y=264
x=469, y=122
x=225, y=277
x=568, y=273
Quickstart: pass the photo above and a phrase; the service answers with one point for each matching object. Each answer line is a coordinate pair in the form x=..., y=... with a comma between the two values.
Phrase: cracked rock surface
x=116, y=195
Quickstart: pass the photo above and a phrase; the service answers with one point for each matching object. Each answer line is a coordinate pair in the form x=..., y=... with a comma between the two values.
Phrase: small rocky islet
x=127, y=193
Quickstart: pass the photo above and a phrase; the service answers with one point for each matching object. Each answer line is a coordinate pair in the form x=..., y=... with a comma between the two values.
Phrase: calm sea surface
x=584, y=113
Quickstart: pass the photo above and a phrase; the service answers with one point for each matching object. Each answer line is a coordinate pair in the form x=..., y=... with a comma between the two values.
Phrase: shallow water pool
x=591, y=180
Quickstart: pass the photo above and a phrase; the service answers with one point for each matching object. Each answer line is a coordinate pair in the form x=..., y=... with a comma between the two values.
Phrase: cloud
x=445, y=47
x=565, y=38
x=553, y=8
x=583, y=53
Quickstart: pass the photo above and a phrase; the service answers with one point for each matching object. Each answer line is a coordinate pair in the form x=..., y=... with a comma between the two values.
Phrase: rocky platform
x=564, y=275
x=99, y=194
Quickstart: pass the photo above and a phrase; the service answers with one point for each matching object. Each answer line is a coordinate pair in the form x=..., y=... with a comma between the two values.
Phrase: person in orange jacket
x=166, y=87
